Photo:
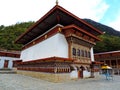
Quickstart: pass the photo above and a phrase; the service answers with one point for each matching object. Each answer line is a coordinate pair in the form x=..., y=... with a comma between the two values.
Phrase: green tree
x=108, y=43
x=9, y=34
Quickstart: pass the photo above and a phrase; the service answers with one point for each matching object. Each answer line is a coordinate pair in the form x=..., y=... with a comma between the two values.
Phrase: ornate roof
x=57, y=15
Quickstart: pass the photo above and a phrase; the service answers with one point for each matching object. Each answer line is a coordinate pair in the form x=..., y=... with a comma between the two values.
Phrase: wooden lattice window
x=89, y=55
x=82, y=53
x=85, y=53
x=78, y=52
x=74, y=51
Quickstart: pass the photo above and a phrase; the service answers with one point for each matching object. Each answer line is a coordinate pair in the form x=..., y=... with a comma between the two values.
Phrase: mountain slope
x=108, y=30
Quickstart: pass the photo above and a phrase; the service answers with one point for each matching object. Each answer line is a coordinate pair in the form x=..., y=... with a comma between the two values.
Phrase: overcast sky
x=103, y=11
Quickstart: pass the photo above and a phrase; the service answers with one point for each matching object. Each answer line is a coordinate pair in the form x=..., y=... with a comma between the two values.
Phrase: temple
x=59, y=46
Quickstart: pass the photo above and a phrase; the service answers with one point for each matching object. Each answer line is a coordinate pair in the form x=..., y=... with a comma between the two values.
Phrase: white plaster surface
x=74, y=74
x=86, y=74
x=92, y=54
x=53, y=46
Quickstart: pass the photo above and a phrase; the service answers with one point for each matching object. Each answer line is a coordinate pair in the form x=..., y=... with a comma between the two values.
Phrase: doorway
x=6, y=63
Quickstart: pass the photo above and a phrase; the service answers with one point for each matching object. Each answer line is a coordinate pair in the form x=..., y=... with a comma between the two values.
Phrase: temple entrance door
x=80, y=74
x=6, y=63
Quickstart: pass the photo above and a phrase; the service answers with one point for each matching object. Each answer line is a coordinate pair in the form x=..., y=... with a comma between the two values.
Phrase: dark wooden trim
x=9, y=54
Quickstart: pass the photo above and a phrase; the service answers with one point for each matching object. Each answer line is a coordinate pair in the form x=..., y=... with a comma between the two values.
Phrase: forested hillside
x=108, y=43
x=108, y=30
x=9, y=34
x=110, y=40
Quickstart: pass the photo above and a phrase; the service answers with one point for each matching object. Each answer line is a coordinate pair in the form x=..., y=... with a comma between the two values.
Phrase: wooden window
x=78, y=52
x=74, y=51
x=85, y=53
x=82, y=53
x=89, y=55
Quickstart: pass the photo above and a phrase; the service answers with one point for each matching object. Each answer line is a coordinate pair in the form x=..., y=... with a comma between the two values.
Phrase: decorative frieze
x=51, y=65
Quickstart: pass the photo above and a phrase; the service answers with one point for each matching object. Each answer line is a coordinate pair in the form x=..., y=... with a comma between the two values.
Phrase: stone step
x=7, y=71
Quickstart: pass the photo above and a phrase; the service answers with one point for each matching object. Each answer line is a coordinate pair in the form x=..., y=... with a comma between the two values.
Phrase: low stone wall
x=61, y=77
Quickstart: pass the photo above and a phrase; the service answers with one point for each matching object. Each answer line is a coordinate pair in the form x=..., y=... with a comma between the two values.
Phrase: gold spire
x=56, y=2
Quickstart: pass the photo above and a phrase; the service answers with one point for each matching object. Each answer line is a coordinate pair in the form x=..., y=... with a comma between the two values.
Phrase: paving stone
x=20, y=82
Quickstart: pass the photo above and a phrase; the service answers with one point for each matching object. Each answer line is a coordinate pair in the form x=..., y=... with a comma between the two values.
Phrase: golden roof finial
x=56, y=2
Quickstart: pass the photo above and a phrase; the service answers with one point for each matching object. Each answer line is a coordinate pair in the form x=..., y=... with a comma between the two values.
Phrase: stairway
x=7, y=71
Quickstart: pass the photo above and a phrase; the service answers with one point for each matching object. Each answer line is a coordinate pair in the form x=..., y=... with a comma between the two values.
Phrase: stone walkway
x=20, y=82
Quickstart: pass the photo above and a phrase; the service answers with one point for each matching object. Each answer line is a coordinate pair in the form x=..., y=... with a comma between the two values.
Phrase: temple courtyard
x=20, y=82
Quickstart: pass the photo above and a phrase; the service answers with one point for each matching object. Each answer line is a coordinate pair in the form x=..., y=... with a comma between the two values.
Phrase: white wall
x=53, y=46
x=74, y=74
x=86, y=74
x=1, y=63
x=10, y=63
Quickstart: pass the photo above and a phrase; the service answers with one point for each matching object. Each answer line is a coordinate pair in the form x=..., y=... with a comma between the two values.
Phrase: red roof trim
x=83, y=31
x=48, y=59
x=40, y=20
x=69, y=13
x=111, y=52
x=46, y=15
x=9, y=54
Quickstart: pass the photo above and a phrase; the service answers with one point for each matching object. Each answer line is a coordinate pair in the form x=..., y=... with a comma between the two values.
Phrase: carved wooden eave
x=74, y=33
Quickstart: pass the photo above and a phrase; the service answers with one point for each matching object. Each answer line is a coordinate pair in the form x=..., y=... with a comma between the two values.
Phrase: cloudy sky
x=103, y=11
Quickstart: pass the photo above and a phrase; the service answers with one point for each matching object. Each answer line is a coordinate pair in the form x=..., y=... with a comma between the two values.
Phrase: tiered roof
x=57, y=15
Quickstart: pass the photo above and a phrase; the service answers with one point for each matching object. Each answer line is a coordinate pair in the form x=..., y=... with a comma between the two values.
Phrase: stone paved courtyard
x=20, y=82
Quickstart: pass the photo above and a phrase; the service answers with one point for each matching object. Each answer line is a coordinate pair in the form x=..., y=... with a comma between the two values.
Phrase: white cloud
x=93, y=9
x=26, y=10
x=14, y=11
x=115, y=23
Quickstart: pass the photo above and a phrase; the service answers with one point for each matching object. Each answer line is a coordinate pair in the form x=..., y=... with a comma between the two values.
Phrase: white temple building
x=58, y=43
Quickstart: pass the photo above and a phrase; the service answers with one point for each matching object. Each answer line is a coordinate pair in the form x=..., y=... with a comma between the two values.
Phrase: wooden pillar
x=69, y=50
